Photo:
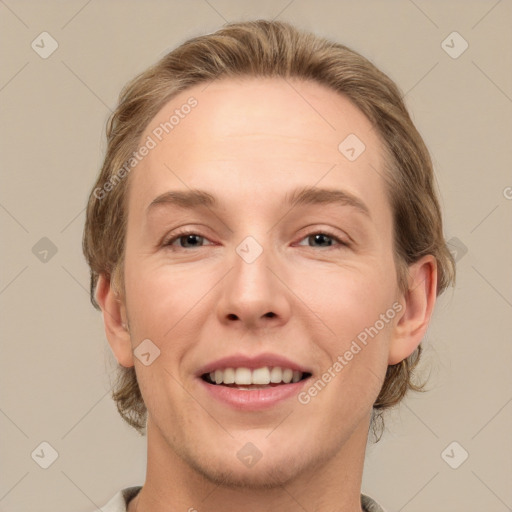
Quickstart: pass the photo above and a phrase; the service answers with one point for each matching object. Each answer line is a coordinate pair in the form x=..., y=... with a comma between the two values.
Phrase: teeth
x=287, y=375
x=228, y=376
x=242, y=376
x=276, y=374
x=259, y=376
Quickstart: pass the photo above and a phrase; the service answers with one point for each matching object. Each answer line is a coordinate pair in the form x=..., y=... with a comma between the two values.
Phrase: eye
x=192, y=240
x=183, y=238
x=325, y=239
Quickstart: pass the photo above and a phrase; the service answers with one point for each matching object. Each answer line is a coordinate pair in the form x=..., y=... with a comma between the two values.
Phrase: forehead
x=266, y=134
x=270, y=109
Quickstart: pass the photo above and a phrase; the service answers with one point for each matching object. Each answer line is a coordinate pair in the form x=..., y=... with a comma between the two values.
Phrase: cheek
x=355, y=365
x=160, y=296
x=353, y=309
x=347, y=299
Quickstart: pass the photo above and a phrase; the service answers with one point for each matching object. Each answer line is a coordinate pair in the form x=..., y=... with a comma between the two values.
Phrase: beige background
x=55, y=362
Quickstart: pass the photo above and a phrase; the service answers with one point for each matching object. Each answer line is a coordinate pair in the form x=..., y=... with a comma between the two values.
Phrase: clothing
x=370, y=505
x=119, y=503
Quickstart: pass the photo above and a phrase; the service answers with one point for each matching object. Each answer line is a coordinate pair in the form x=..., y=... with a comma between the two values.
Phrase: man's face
x=260, y=275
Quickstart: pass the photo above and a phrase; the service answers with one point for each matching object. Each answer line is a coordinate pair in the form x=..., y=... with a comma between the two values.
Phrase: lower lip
x=253, y=400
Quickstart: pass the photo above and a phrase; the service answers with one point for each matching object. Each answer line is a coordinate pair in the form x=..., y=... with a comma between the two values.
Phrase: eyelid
x=168, y=241
x=322, y=231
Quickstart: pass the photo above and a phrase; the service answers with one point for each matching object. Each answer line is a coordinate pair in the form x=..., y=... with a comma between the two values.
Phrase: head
x=256, y=115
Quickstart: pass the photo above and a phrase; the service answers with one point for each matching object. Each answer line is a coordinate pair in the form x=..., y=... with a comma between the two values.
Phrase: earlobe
x=418, y=307
x=114, y=319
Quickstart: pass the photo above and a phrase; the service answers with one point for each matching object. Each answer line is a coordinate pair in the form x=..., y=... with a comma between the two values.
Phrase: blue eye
x=185, y=238
x=325, y=239
x=192, y=240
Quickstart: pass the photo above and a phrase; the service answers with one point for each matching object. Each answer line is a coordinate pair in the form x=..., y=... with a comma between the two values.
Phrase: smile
x=253, y=389
x=257, y=378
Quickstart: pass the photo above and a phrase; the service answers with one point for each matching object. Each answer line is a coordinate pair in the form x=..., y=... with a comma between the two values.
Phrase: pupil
x=322, y=237
x=190, y=238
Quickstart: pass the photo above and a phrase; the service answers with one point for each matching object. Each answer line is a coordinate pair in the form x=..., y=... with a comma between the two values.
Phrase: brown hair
x=270, y=49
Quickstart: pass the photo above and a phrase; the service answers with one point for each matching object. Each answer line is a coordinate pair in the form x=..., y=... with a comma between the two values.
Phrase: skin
x=249, y=142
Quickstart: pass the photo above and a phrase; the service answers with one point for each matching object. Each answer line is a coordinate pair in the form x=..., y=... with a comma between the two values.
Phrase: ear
x=115, y=320
x=418, y=305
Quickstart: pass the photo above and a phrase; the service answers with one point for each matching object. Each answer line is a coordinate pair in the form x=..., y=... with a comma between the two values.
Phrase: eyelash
x=184, y=233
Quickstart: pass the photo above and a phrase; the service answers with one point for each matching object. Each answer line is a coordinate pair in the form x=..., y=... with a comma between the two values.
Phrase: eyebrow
x=326, y=196
x=194, y=198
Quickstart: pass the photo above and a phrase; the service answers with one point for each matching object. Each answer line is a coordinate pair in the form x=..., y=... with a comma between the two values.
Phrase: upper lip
x=259, y=361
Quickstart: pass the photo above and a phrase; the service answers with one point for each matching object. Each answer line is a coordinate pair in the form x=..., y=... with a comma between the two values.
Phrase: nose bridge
x=251, y=274
x=252, y=292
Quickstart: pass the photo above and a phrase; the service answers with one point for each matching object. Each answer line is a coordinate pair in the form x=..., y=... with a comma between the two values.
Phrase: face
x=267, y=271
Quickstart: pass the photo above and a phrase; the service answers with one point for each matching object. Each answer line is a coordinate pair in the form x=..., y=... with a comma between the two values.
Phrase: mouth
x=248, y=379
x=262, y=382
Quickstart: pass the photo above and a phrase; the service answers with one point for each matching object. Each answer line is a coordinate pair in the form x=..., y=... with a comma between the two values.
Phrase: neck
x=332, y=482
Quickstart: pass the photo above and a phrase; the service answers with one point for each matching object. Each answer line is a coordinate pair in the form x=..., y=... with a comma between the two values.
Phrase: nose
x=253, y=292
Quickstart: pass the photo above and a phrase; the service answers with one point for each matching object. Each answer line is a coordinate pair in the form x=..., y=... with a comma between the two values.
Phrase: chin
x=280, y=465
x=269, y=475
